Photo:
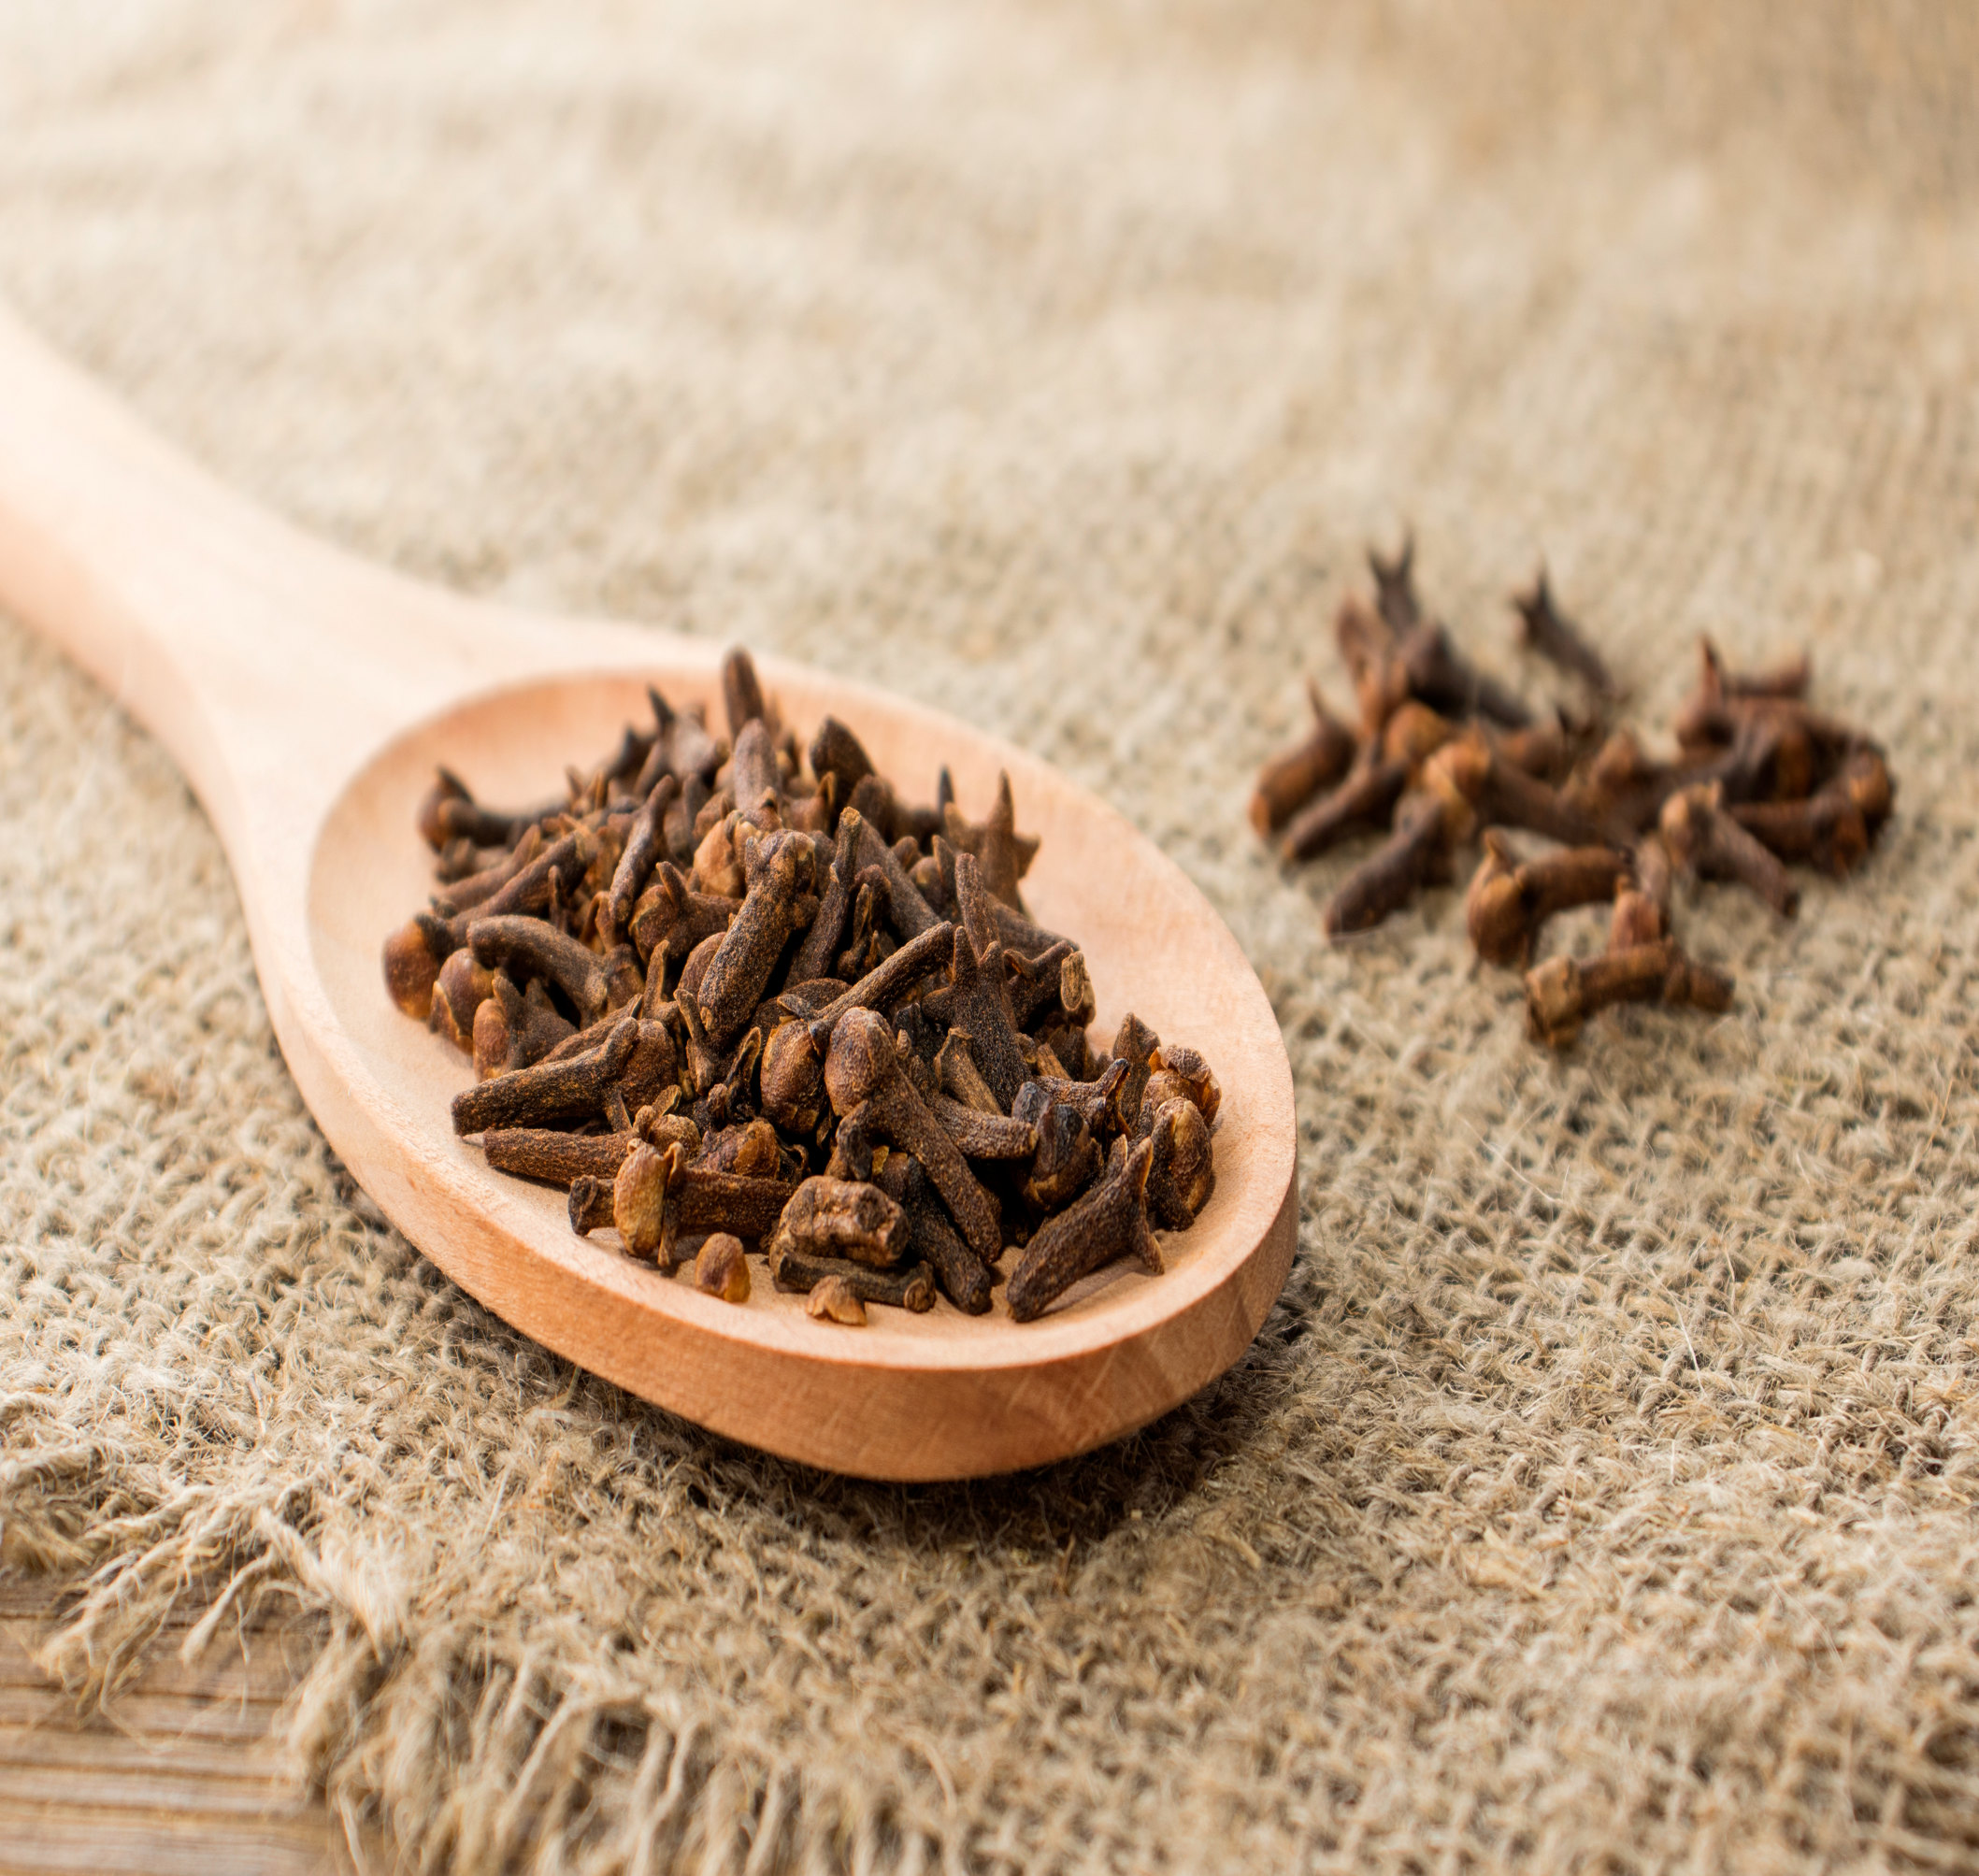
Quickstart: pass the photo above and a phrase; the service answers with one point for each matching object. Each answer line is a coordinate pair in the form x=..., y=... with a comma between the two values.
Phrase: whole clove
x=1110, y=1223
x=862, y=1076
x=964, y=1278
x=570, y=1089
x=1288, y=781
x=556, y=1158
x=1556, y=637
x=516, y=1029
x=911, y=1288
x=1509, y=899
x=1704, y=839
x=642, y=849
x=1365, y=799
x=1564, y=991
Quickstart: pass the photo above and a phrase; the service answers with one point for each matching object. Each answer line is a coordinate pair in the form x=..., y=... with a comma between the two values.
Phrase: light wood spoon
x=307, y=696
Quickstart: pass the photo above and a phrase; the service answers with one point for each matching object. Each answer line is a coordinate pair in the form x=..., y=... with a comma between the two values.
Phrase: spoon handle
x=270, y=663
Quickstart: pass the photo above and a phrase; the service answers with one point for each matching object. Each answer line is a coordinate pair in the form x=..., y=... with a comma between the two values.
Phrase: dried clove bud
x=1830, y=829
x=1395, y=595
x=755, y=779
x=1637, y=920
x=1002, y=853
x=1099, y=1103
x=1192, y=1069
x=1135, y=1045
x=1109, y=1223
x=958, y=1076
x=1031, y=984
x=1180, y=1174
x=836, y=752
x=460, y=990
x=751, y=1150
x=981, y=1136
x=1066, y=1158
x=910, y=1287
x=837, y=1218
x=1564, y=991
x=641, y=853
x=1365, y=799
x=1509, y=899
x=820, y=948
x=862, y=1070
x=1288, y=781
x=556, y=1158
x=572, y=1090
x=1705, y=840
x=910, y=912
x=1548, y=631
x=515, y=1029
x=672, y=917
x=979, y=1005
x=1416, y=855
x=682, y=748
x=527, y=948
x=450, y=812
x=639, y=1198
x=778, y=902
x=1642, y=903
x=590, y=1205
x=964, y=1278
x=474, y=889
x=741, y=692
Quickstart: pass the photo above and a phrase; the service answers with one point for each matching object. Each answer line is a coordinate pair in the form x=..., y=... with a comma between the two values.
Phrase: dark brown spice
x=1442, y=756
x=1557, y=638
x=843, y=1218
x=742, y=993
x=1288, y=781
x=964, y=1278
x=721, y=1269
x=1111, y=1222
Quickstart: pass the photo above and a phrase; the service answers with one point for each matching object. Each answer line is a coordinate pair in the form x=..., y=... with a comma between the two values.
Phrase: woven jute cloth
x=1601, y=1493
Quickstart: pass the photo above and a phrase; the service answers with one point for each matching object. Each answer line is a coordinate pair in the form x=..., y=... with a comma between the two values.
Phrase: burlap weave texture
x=1602, y=1492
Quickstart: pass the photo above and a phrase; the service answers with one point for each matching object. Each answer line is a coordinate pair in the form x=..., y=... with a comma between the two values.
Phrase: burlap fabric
x=1601, y=1494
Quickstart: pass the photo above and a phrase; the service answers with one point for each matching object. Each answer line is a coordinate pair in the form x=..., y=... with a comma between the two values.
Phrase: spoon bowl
x=309, y=698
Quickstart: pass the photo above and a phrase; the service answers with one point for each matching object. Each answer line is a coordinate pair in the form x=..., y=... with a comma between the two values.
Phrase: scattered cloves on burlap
x=1442, y=755
x=739, y=1000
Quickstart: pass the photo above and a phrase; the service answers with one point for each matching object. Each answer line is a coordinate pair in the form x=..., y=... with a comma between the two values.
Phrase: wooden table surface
x=177, y=1776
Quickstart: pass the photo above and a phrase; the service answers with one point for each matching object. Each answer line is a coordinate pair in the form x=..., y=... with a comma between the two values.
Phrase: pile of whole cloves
x=1443, y=755
x=734, y=997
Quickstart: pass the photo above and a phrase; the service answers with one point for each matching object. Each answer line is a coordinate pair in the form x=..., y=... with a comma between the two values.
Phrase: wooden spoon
x=307, y=696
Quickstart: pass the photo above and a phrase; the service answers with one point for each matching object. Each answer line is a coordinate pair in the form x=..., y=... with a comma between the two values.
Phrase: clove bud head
x=720, y=1268
x=832, y=1300
x=1181, y=1175
x=639, y=1198
x=844, y=1218
x=411, y=970
x=861, y=1060
x=793, y=1079
x=1193, y=1071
